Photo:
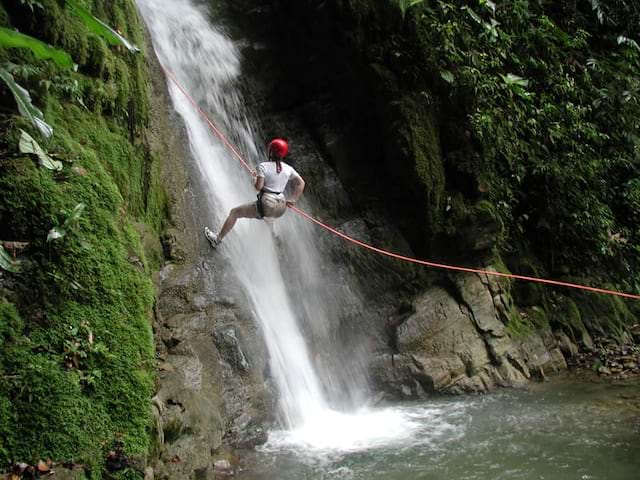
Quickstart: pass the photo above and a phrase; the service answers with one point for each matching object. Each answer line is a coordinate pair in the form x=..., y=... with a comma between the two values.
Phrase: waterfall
x=207, y=64
x=314, y=413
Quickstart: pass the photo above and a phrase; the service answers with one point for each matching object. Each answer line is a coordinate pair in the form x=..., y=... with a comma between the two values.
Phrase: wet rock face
x=456, y=342
x=210, y=390
x=210, y=356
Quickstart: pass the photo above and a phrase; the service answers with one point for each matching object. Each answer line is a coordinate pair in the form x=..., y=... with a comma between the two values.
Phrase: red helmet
x=279, y=147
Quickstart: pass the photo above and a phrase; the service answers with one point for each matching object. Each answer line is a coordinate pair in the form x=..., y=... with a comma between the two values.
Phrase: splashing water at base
x=560, y=430
x=339, y=433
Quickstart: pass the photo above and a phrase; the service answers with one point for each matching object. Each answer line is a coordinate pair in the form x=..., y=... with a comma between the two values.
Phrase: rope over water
x=380, y=251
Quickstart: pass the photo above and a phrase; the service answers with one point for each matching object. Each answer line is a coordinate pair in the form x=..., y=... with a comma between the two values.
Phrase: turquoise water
x=556, y=430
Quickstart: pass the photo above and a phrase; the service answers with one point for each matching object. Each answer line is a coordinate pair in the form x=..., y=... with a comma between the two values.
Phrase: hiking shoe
x=212, y=237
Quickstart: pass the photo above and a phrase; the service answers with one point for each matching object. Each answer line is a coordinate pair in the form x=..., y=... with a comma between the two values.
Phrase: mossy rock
x=566, y=316
x=519, y=326
x=538, y=317
x=419, y=140
x=528, y=294
x=472, y=233
x=76, y=347
x=604, y=315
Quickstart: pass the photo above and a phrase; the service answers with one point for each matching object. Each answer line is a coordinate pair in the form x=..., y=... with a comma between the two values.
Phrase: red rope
x=211, y=124
x=391, y=254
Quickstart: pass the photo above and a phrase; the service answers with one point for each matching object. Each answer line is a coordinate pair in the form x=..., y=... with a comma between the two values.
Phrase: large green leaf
x=29, y=145
x=12, y=39
x=23, y=99
x=99, y=27
x=7, y=263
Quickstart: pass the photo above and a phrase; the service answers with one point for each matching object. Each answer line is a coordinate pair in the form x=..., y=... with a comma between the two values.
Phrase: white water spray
x=207, y=65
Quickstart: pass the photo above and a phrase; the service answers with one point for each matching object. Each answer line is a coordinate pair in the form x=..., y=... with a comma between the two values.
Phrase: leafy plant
x=447, y=76
x=597, y=7
x=70, y=222
x=7, y=263
x=622, y=40
x=518, y=85
x=13, y=39
x=23, y=70
x=32, y=3
x=29, y=146
x=26, y=108
x=407, y=4
x=98, y=27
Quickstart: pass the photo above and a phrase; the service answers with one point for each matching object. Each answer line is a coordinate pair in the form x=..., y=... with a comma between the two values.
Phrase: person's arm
x=260, y=173
x=298, y=188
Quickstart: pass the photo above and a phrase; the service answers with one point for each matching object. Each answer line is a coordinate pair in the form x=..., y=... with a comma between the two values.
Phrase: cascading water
x=207, y=65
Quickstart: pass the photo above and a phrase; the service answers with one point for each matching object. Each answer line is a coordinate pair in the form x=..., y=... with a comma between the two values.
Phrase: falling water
x=207, y=64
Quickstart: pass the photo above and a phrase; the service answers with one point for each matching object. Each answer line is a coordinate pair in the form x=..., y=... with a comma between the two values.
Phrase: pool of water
x=562, y=429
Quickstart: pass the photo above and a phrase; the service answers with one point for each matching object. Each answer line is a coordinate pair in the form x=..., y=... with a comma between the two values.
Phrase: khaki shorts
x=273, y=205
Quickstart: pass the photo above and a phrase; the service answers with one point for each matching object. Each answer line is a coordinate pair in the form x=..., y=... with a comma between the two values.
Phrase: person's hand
x=291, y=203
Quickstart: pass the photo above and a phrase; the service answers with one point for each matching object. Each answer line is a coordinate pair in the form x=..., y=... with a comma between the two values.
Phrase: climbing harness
x=379, y=250
x=259, y=202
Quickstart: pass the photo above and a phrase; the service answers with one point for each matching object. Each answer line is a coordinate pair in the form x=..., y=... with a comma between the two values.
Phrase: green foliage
x=25, y=106
x=13, y=39
x=7, y=263
x=77, y=365
x=29, y=146
x=552, y=102
x=70, y=222
x=405, y=5
x=99, y=27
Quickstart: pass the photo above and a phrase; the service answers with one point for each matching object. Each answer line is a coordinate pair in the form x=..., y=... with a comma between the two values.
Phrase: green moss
x=4, y=17
x=76, y=349
x=603, y=315
x=421, y=138
x=528, y=294
x=566, y=315
x=518, y=326
x=538, y=317
x=10, y=323
x=55, y=25
x=97, y=57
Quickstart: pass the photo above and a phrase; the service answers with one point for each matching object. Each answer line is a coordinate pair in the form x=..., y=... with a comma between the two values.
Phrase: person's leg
x=243, y=211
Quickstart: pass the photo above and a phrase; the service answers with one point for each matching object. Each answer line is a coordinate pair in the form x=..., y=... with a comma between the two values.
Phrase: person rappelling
x=272, y=178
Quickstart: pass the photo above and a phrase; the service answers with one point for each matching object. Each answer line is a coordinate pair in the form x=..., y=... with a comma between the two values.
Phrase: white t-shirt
x=273, y=181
